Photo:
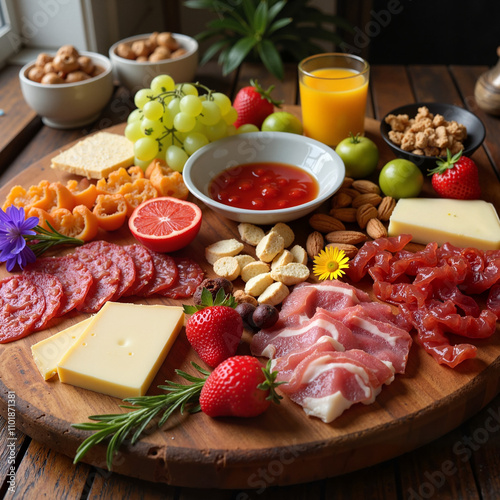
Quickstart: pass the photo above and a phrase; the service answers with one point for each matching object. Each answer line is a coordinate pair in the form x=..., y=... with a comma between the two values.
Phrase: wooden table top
x=463, y=464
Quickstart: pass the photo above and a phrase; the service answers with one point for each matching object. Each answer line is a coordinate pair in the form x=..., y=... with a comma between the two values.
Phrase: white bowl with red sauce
x=280, y=164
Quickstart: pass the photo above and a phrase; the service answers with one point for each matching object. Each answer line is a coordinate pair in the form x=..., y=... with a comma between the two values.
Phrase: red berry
x=215, y=333
x=234, y=388
x=456, y=177
x=254, y=104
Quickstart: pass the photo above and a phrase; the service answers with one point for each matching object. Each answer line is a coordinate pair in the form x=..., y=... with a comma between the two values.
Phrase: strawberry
x=254, y=104
x=239, y=387
x=215, y=329
x=456, y=177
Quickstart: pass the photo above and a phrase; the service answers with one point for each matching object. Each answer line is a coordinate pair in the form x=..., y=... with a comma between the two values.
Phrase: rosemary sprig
x=144, y=409
x=44, y=239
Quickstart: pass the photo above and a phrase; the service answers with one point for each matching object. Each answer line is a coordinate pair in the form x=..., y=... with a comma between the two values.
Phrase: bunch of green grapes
x=172, y=121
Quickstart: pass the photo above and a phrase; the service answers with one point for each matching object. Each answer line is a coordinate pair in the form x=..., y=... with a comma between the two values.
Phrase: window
x=7, y=30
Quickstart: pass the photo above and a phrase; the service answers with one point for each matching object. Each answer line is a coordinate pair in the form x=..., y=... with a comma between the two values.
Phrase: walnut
x=213, y=285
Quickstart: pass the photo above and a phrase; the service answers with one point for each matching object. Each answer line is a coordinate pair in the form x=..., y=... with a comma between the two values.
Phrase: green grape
x=174, y=106
x=167, y=119
x=217, y=131
x=231, y=116
x=211, y=113
x=231, y=130
x=145, y=149
x=191, y=105
x=194, y=141
x=247, y=127
x=133, y=131
x=163, y=83
x=151, y=128
x=199, y=127
x=188, y=89
x=135, y=115
x=142, y=97
x=184, y=122
x=153, y=110
x=176, y=157
x=223, y=101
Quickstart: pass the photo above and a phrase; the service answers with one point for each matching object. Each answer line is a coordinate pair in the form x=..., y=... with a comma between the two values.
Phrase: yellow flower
x=330, y=263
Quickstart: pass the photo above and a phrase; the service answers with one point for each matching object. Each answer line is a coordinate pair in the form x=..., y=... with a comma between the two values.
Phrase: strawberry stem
x=270, y=383
x=266, y=94
x=444, y=165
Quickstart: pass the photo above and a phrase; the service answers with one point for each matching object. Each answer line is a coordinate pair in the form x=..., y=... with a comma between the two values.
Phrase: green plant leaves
x=271, y=58
x=238, y=53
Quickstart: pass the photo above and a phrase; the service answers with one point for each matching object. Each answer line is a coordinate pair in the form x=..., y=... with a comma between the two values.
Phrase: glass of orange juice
x=333, y=90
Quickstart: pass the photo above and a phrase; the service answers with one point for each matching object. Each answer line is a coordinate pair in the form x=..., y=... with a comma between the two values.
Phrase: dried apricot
x=84, y=192
x=38, y=196
x=167, y=182
x=111, y=211
x=137, y=192
x=43, y=217
x=80, y=223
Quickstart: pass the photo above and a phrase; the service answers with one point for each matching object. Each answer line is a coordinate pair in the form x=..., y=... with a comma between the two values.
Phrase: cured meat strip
x=145, y=269
x=53, y=293
x=22, y=304
x=119, y=257
x=190, y=275
x=106, y=279
x=278, y=343
x=325, y=384
x=165, y=274
x=73, y=275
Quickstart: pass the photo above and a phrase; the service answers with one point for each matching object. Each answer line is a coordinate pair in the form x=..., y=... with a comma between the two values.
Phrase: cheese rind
x=96, y=156
x=122, y=349
x=463, y=223
x=48, y=352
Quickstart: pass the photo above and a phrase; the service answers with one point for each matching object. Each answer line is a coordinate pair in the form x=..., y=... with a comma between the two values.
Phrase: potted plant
x=267, y=30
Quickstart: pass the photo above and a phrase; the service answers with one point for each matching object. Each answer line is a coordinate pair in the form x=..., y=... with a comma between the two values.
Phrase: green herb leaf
x=237, y=53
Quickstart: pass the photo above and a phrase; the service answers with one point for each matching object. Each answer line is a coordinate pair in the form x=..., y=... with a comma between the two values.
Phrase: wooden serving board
x=282, y=446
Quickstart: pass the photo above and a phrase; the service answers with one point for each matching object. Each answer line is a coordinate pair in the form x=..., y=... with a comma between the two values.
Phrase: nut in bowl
x=136, y=71
x=234, y=154
x=439, y=126
x=72, y=101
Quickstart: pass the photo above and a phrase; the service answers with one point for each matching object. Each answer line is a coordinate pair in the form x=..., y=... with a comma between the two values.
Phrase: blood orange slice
x=165, y=224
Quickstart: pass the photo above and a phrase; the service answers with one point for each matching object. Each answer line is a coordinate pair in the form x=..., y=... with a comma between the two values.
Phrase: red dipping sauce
x=263, y=186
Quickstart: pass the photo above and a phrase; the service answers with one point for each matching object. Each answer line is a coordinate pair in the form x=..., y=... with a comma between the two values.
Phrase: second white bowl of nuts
x=138, y=59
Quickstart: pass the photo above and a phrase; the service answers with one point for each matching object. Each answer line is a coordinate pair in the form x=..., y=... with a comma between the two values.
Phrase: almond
x=370, y=198
x=325, y=223
x=386, y=208
x=347, y=182
x=376, y=229
x=347, y=214
x=364, y=186
x=314, y=244
x=348, y=237
x=341, y=200
x=349, y=250
x=350, y=191
x=364, y=214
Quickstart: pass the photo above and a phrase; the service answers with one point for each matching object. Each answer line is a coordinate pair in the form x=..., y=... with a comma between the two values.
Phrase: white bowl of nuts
x=68, y=89
x=138, y=59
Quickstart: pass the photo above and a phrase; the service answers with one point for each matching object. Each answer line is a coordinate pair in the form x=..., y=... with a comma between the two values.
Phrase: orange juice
x=333, y=102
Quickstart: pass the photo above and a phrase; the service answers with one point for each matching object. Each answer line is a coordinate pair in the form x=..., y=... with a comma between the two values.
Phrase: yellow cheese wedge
x=47, y=353
x=122, y=349
x=463, y=223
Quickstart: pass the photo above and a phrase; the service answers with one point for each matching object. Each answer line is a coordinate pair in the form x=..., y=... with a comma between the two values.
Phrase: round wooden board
x=282, y=446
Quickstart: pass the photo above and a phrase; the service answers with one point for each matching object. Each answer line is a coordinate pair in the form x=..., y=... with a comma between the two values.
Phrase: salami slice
x=119, y=257
x=22, y=304
x=106, y=275
x=165, y=274
x=144, y=266
x=53, y=292
x=190, y=275
x=74, y=276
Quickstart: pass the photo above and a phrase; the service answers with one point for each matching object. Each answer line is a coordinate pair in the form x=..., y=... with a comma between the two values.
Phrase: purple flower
x=13, y=229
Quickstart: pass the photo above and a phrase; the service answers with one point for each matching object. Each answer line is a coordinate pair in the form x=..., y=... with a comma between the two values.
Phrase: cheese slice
x=463, y=223
x=122, y=348
x=96, y=156
x=47, y=353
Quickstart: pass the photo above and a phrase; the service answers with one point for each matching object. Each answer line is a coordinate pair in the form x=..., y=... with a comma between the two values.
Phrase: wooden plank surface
x=428, y=401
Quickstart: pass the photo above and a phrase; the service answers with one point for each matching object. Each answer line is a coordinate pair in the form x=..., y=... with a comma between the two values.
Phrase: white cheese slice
x=122, y=349
x=47, y=353
x=463, y=223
